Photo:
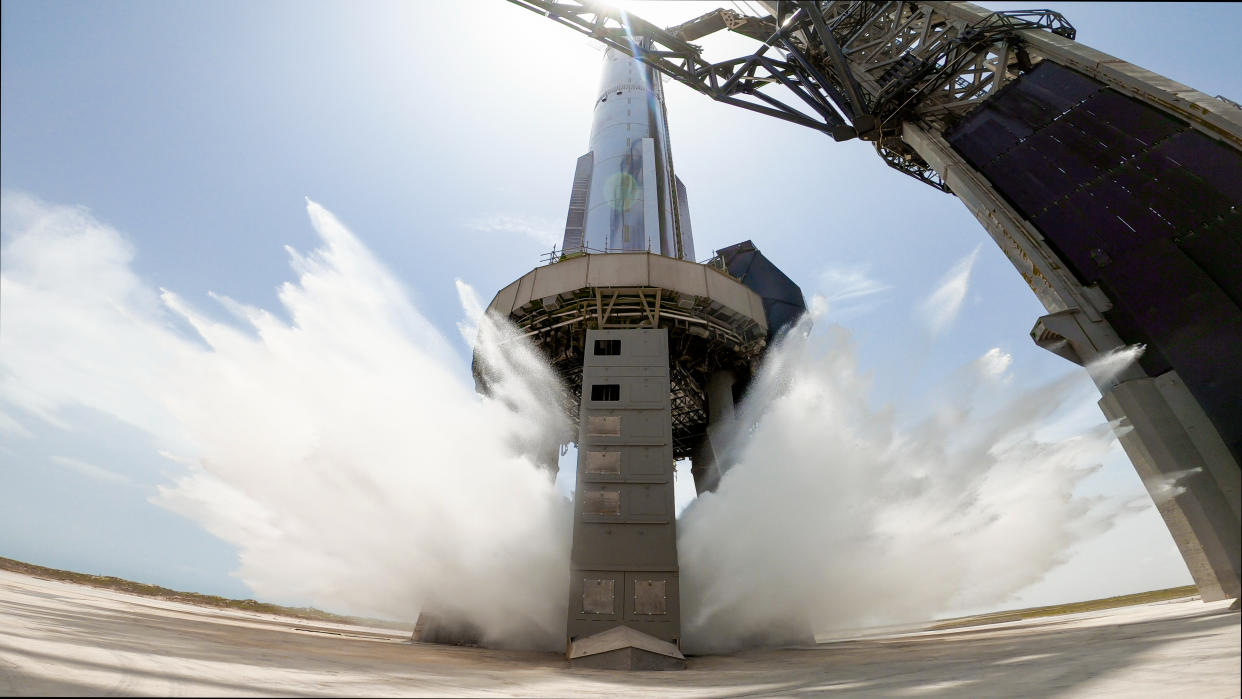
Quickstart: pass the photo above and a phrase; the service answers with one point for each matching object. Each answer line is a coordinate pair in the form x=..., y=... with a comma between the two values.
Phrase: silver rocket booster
x=625, y=195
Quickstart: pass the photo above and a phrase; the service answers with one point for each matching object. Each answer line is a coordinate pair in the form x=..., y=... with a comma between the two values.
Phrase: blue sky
x=444, y=136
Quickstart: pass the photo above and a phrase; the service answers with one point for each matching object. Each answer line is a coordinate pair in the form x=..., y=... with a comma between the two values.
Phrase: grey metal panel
x=620, y=269
x=650, y=596
x=641, y=463
x=524, y=291
x=603, y=426
x=646, y=500
x=647, y=390
x=604, y=461
x=575, y=221
x=563, y=276
x=599, y=596
x=601, y=500
x=683, y=222
x=670, y=274
x=503, y=303
x=727, y=292
x=651, y=197
x=624, y=509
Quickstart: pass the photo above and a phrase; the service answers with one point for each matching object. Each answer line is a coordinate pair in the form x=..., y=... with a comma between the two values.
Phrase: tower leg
x=706, y=464
x=549, y=460
x=624, y=605
x=1189, y=474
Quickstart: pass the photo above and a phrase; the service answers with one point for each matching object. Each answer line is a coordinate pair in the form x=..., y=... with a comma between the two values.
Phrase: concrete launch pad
x=60, y=638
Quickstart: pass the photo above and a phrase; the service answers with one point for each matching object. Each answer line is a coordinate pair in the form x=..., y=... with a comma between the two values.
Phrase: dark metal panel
x=1132, y=117
x=1020, y=107
x=1217, y=249
x=1113, y=146
x=1058, y=87
x=1077, y=239
x=1080, y=156
x=1130, y=198
x=1217, y=164
x=1185, y=201
x=985, y=135
x=1125, y=220
x=1192, y=322
x=783, y=302
x=1026, y=178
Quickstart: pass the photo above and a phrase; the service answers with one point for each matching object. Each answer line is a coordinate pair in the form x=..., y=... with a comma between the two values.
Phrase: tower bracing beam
x=1115, y=192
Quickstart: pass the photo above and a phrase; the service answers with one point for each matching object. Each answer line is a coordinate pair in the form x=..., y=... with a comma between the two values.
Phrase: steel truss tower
x=1115, y=192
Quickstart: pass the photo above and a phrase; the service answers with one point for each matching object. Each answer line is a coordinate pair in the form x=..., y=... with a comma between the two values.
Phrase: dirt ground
x=63, y=639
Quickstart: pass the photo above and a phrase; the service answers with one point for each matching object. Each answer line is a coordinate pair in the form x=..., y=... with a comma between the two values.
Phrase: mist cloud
x=833, y=515
x=545, y=231
x=345, y=453
x=940, y=309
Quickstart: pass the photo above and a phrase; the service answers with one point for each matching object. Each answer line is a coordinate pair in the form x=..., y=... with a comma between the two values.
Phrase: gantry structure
x=1115, y=192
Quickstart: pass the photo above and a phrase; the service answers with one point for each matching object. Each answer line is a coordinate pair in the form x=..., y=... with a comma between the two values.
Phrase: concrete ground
x=58, y=638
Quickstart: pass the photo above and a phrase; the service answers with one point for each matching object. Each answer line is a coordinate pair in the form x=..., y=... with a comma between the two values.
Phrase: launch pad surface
x=60, y=638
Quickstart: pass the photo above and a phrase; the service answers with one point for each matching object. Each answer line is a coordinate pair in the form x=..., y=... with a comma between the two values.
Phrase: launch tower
x=1114, y=191
x=653, y=348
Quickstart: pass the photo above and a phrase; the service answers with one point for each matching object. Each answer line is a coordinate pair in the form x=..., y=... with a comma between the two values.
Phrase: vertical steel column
x=706, y=466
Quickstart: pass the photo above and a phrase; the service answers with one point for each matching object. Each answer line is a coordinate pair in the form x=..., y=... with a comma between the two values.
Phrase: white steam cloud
x=345, y=453
x=835, y=516
x=940, y=309
x=544, y=231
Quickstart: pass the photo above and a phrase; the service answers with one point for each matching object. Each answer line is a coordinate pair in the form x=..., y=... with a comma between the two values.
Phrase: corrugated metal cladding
x=1136, y=200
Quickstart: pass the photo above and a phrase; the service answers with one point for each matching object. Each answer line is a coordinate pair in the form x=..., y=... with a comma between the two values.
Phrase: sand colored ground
x=61, y=638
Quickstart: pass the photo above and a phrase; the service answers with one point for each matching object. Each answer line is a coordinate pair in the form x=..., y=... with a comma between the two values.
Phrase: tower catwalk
x=652, y=347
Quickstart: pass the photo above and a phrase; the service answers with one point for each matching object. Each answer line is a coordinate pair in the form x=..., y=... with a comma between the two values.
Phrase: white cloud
x=940, y=309
x=995, y=362
x=343, y=451
x=91, y=470
x=841, y=283
x=850, y=290
x=12, y=427
x=543, y=230
x=830, y=507
x=79, y=327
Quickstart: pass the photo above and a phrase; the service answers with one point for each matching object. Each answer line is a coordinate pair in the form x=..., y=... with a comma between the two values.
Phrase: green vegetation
x=145, y=590
x=1069, y=608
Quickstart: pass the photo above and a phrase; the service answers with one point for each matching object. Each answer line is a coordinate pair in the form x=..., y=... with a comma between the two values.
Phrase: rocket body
x=625, y=195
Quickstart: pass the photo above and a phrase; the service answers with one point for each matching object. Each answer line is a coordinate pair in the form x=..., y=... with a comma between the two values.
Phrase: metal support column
x=624, y=604
x=706, y=466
